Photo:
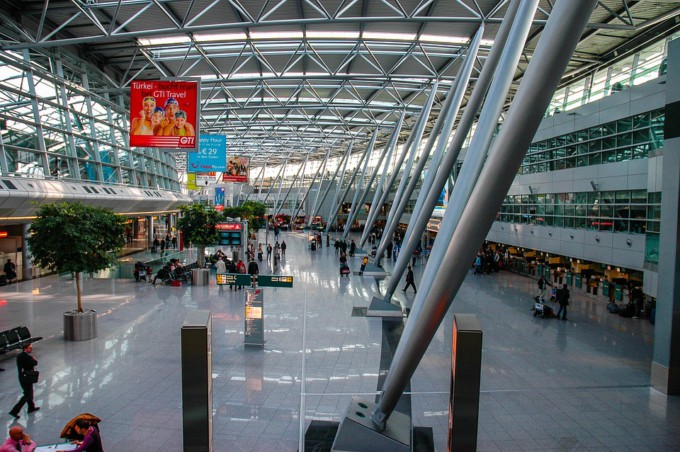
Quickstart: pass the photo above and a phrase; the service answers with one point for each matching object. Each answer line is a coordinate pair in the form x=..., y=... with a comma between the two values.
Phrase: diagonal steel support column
x=341, y=163
x=292, y=184
x=488, y=119
x=500, y=67
x=318, y=192
x=283, y=176
x=302, y=181
x=272, y=185
x=354, y=210
x=411, y=144
x=556, y=46
x=264, y=168
x=365, y=156
x=413, y=181
x=301, y=203
x=462, y=80
x=335, y=205
x=375, y=208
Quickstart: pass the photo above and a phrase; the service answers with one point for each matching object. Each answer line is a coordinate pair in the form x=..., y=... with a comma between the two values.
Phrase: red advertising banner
x=237, y=169
x=164, y=113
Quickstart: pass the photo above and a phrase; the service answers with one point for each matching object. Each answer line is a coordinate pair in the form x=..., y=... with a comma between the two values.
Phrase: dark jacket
x=253, y=268
x=409, y=276
x=563, y=297
x=25, y=362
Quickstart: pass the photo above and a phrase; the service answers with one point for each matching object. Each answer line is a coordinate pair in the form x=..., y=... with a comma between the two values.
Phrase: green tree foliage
x=251, y=211
x=255, y=214
x=76, y=238
x=197, y=224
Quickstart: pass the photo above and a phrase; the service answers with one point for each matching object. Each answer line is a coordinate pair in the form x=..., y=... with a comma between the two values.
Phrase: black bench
x=16, y=338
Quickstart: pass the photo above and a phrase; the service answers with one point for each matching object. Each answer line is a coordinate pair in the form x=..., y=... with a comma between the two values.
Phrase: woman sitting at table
x=92, y=441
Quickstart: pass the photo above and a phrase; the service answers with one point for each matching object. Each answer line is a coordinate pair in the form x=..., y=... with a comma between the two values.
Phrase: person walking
x=542, y=285
x=240, y=268
x=364, y=262
x=10, y=270
x=283, y=248
x=269, y=252
x=220, y=266
x=18, y=441
x=409, y=280
x=563, y=300
x=25, y=365
x=253, y=268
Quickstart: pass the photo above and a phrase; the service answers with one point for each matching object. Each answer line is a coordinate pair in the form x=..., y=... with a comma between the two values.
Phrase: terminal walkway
x=546, y=384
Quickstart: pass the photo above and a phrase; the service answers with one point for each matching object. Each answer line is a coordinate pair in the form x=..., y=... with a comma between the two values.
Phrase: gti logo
x=187, y=141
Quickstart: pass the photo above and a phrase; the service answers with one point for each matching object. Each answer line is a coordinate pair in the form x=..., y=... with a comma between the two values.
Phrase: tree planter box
x=80, y=326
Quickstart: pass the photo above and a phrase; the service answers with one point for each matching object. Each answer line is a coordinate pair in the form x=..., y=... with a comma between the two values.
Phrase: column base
x=665, y=379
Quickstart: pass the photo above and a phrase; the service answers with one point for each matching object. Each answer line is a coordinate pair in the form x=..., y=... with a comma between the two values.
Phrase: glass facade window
x=79, y=135
x=626, y=211
x=618, y=141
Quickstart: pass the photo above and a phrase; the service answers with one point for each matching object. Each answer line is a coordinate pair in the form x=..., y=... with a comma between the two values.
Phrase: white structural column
x=375, y=208
x=302, y=181
x=283, y=176
x=272, y=185
x=500, y=67
x=488, y=120
x=300, y=170
x=400, y=160
x=335, y=205
x=304, y=197
x=343, y=160
x=412, y=143
x=666, y=357
x=462, y=80
x=320, y=170
x=413, y=181
x=264, y=168
x=556, y=46
x=357, y=190
x=336, y=209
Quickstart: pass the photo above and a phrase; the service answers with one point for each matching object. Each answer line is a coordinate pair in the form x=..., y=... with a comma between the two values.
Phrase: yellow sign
x=191, y=181
x=253, y=312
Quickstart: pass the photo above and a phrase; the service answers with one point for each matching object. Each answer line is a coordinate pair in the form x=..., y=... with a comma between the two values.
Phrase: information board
x=238, y=279
x=274, y=281
x=254, y=318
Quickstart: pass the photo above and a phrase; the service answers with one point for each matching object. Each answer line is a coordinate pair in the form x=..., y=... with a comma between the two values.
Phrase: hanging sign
x=211, y=155
x=237, y=169
x=164, y=113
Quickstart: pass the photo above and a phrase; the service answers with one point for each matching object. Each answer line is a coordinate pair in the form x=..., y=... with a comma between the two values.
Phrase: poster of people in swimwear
x=164, y=113
x=237, y=169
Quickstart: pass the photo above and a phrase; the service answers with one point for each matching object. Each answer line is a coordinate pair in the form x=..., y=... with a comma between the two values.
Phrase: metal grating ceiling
x=287, y=78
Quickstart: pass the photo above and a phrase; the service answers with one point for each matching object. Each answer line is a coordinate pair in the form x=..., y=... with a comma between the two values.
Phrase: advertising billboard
x=219, y=198
x=211, y=155
x=237, y=169
x=164, y=113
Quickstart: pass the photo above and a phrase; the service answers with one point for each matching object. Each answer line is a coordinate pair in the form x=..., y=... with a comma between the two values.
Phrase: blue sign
x=211, y=155
x=219, y=196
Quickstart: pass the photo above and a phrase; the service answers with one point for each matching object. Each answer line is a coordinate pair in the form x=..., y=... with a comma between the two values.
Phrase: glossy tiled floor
x=546, y=384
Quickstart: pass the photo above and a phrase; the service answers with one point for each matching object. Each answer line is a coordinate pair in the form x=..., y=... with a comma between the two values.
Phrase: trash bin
x=579, y=280
x=200, y=276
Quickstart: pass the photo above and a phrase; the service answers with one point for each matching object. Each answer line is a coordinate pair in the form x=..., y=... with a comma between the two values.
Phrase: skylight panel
x=332, y=34
x=180, y=39
x=212, y=37
x=276, y=35
x=389, y=36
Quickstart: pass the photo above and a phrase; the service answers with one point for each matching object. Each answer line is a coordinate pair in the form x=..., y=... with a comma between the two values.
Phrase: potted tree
x=198, y=225
x=76, y=238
